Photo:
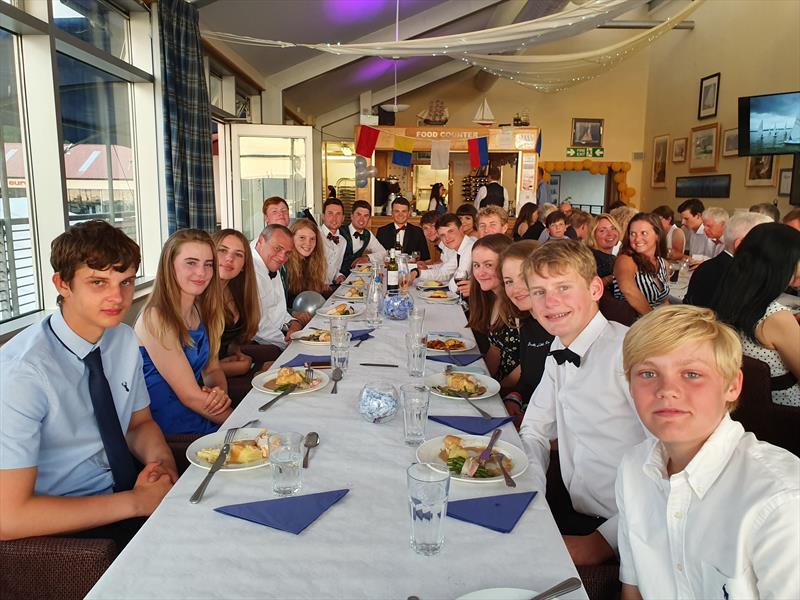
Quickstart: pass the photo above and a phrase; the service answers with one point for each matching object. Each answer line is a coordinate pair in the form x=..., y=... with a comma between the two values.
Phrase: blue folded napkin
x=298, y=360
x=462, y=360
x=361, y=334
x=292, y=514
x=473, y=425
x=499, y=513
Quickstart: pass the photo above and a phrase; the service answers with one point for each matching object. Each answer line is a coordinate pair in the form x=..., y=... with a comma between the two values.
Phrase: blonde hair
x=670, y=327
x=493, y=210
x=307, y=273
x=590, y=241
x=165, y=299
x=623, y=215
x=560, y=257
x=242, y=290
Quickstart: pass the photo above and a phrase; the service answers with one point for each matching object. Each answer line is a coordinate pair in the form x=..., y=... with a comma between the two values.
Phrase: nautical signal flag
x=478, y=152
x=440, y=155
x=401, y=156
x=367, y=140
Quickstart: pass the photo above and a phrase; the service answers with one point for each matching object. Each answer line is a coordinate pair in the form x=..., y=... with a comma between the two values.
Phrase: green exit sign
x=573, y=152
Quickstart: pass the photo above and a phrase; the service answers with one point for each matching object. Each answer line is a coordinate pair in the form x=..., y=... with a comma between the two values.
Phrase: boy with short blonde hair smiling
x=706, y=510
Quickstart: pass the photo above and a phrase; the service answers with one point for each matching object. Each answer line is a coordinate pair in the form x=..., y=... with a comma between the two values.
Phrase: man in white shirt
x=359, y=241
x=492, y=219
x=335, y=246
x=273, y=247
x=582, y=399
x=492, y=192
x=706, y=510
x=448, y=227
x=699, y=245
x=428, y=224
x=714, y=219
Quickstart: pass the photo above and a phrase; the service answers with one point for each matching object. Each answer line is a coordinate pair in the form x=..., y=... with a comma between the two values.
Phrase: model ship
x=435, y=114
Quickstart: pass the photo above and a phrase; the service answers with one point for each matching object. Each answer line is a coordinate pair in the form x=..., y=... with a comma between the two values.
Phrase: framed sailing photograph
x=658, y=177
x=587, y=132
x=761, y=171
x=679, y=150
x=730, y=142
x=704, y=148
x=709, y=95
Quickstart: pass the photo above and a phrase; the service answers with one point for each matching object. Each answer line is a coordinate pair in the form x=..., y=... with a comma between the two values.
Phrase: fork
x=465, y=395
x=201, y=489
x=309, y=374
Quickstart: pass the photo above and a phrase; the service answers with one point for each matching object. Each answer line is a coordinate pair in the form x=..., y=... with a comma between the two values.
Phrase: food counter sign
x=447, y=134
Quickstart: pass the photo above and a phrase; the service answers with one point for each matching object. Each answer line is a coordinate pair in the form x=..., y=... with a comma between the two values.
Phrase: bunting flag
x=539, y=143
x=401, y=156
x=367, y=140
x=478, y=152
x=440, y=155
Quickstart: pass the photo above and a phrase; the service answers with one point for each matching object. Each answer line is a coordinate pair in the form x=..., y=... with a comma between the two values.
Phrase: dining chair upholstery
x=178, y=443
x=601, y=582
x=52, y=567
x=617, y=310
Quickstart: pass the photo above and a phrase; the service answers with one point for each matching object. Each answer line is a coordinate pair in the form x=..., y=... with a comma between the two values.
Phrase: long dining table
x=359, y=548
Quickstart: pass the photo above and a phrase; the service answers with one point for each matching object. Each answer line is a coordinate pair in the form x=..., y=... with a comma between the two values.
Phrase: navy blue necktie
x=566, y=355
x=123, y=468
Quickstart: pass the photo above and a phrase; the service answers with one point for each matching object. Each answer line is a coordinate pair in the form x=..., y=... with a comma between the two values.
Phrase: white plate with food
x=275, y=382
x=459, y=455
x=443, y=343
x=351, y=293
x=314, y=337
x=431, y=284
x=499, y=594
x=443, y=296
x=249, y=450
x=340, y=310
x=361, y=268
x=478, y=386
x=356, y=282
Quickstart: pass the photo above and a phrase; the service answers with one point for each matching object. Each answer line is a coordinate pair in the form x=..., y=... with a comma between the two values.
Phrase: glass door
x=269, y=160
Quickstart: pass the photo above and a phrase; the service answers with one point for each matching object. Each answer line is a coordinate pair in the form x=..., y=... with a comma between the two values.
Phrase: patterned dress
x=654, y=286
x=506, y=339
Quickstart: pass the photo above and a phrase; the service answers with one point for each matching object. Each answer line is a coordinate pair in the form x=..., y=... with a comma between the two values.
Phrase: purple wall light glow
x=354, y=11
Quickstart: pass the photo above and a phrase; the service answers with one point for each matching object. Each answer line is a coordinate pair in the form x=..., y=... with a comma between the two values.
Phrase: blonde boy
x=492, y=219
x=706, y=510
x=582, y=399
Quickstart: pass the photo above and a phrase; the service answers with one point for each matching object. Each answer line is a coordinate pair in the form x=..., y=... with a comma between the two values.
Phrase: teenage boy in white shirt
x=335, y=246
x=448, y=227
x=582, y=399
x=492, y=219
x=706, y=510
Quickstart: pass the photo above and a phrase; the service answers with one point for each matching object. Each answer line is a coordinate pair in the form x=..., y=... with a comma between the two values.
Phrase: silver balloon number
x=308, y=302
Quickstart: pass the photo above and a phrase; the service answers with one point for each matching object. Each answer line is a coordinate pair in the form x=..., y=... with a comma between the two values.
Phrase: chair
x=178, y=443
x=52, y=567
x=617, y=310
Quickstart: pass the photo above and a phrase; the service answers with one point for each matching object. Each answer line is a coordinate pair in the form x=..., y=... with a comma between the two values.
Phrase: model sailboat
x=484, y=115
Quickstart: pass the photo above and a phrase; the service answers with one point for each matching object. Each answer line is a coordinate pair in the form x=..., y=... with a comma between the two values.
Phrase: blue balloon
x=362, y=183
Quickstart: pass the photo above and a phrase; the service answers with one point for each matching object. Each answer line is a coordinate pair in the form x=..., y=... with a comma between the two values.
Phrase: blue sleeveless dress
x=168, y=411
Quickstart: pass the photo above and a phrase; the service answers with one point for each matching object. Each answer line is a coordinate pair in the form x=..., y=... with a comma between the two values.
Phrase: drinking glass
x=416, y=399
x=337, y=324
x=428, y=489
x=285, y=456
x=416, y=321
x=460, y=275
x=417, y=345
x=340, y=349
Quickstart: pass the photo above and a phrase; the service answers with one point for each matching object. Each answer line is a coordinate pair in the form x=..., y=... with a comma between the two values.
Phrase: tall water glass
x=337, y=324
x=417, y=345
x=428, y=490
x=285, y=457
x=416, y=321
x=340, y=349
x=416, y=399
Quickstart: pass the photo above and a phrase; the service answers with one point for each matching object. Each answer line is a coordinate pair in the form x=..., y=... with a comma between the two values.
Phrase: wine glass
x=460, y=275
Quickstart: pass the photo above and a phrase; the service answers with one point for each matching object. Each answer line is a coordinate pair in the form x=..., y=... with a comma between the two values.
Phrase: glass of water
x=416, y=399
x=285, y=456
x=428, y=490
x=417, y=345
x=416, y=321
x=340, y=349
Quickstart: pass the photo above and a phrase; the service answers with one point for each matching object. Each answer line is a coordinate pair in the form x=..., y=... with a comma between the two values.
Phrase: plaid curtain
x=187, y=119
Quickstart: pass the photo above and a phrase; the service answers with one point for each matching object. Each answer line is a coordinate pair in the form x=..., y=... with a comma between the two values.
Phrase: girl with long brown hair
x=306, y=267
x=491, y=314
x=179, y=330
x=640, y=271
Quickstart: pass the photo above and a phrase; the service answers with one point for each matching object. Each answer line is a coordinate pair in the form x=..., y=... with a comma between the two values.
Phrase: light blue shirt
x=46, y=415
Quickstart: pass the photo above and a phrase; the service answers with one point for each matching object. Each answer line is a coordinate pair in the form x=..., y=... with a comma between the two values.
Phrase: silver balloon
x=372, y=171
x=361, y=173
x=308, y=302
x=360, y=162
x=361, y=183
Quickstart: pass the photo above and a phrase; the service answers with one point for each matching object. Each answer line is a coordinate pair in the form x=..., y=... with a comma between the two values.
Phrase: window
x=19, y=290
x=95, y=22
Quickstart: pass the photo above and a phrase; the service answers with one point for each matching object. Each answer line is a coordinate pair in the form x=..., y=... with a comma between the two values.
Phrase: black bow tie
x=333, y=238
x=358, y=235
x=272, y=275
x=566, y=355
x=401, y=228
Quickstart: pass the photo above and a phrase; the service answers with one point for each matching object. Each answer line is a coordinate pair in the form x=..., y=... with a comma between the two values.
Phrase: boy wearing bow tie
x=360, y=242
x=582, y=400
x=335, y=246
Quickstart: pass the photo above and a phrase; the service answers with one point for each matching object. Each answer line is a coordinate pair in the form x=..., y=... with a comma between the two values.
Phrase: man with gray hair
x=714, y=219
x=707, y=277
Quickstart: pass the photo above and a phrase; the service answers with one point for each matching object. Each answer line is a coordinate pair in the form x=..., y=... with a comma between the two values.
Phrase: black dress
x=605, y=263
x=534, y=346
x=229, y=335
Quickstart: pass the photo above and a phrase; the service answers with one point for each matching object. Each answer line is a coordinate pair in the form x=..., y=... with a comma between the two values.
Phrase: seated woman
x=306, y=267
x=765, y=263
x=528, y=215
x=469, y=216
x=179, y=330
x=491, y=314
x=237, y=279
x=640, y=271
x=676, y=239
x=534, y=341
x=602, y=238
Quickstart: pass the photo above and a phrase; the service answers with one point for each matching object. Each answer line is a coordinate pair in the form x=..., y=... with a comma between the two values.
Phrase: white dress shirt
x=400, y=234
x=374, y=247
x=700, y=244
x=334, y=253
x=481, y=194
x=591, y=413
x=727, y=526
x=272, y=299
x=460, y=260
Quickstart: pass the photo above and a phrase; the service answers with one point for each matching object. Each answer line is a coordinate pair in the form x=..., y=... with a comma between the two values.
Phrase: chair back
x=617, y=310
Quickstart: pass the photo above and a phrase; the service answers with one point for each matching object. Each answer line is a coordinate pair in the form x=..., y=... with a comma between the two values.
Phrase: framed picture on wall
x=679, y=150
x=784, y=182
x=709, y=95
x=658, y=176
x=761, y=171
x=730, y=142
x=555, y=187
x=704, y=148
x=587, y=132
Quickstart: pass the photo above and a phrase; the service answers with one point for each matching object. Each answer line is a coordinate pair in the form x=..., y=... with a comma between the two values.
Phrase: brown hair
x=643, y=263
x=165, y=299
x=493, y=210
x=555, y=217
x=481, y=304
x=241, y=291
x=521, y=250
x=665, y=212
x=272, y=201
x=448, y=219
x=307, y=273
x=96, y=244
x=360, y=204
x=558, y=258
x=590, y=241
x=579, y=218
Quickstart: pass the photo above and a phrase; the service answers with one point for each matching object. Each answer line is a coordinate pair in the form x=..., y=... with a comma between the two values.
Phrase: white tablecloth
x=360, y=547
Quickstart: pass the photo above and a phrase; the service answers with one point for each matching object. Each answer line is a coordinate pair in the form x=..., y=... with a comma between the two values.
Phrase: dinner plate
x=499, y=594
x=260, y=380
x=424, y=287
x=349, y=282
x=298, y=336
x=324, y=311
x=449, y=299
x=361, y=268
x=468, y=344
x=214, y=440
x=440, y=379
x=342, y=292
x=428, y=452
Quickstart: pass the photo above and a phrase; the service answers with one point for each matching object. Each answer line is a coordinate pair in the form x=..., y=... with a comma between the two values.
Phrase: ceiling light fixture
x=395, y=107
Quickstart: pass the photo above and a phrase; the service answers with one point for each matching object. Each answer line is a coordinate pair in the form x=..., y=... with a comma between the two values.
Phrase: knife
x=573, y=583
x=487, y=453
x=201, y=489
x=285, y=392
